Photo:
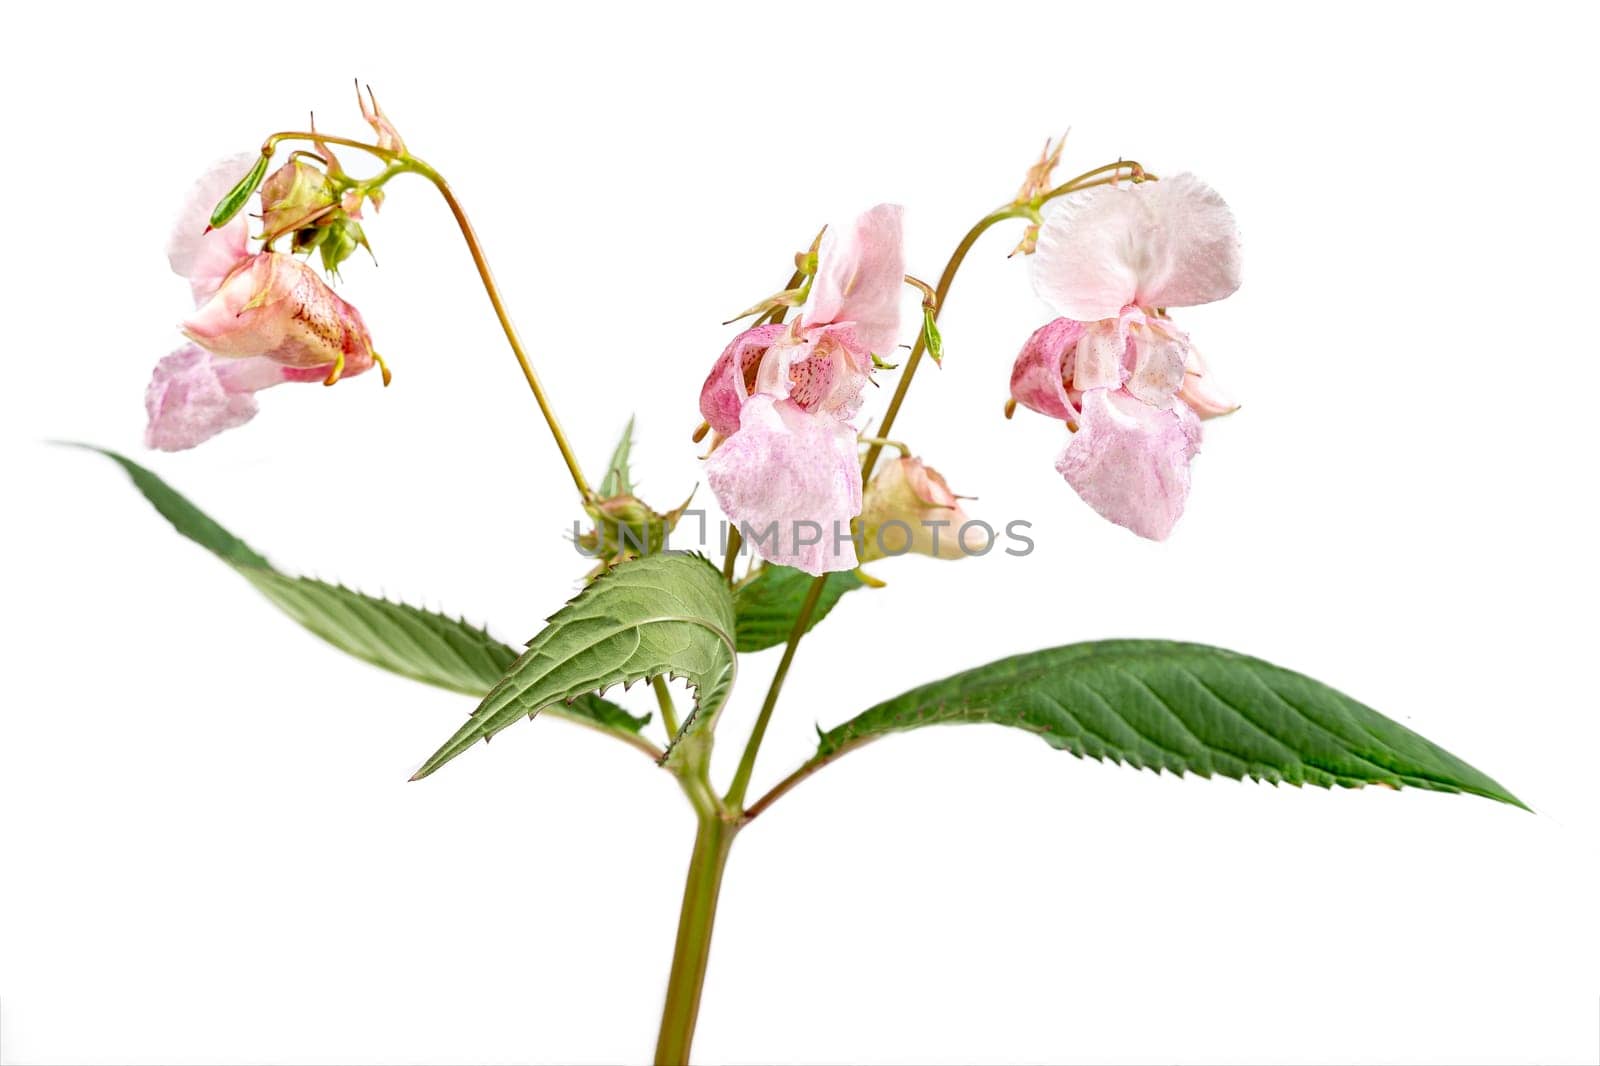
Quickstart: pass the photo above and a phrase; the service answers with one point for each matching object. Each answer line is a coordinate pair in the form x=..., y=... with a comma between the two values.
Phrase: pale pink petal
x=726, y=386
x=791, y=478
x=193, y=396
x=1130, y=461
x=1196, y=258
x=1160, y=354
x=1169, y=243
x=1037, y=375
x=860, y=271
x=205, y=258
x=1102, y=353
x=1086, y=265
x=1201, y=392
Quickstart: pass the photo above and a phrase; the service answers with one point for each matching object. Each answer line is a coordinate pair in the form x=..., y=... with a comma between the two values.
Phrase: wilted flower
x=908, y=507
x=1036, y=183
x=388, y=136
x=273, y=304
x=262, y=319
x=783, y=396
x=1114, y=368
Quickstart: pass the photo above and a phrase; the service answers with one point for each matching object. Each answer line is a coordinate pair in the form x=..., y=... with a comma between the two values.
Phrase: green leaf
x=666, y=614
x=767, y=604
x=1185, y=708
x=617, y=482
x=231, y=204
x=423, y=645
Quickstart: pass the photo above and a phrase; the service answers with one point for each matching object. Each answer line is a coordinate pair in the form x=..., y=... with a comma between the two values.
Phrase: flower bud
x=294, y=198
x=625, y=527
x=908, y=507
x=337, y=241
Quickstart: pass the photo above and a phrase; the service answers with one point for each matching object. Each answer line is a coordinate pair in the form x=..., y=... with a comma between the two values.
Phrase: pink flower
x=1128, y=382
x=783, y=396
x=275, y=305
x=908, y=507
x=792, y=481
x=261, y=319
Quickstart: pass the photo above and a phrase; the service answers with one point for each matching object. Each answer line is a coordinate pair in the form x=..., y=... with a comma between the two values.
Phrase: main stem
x=712, y=842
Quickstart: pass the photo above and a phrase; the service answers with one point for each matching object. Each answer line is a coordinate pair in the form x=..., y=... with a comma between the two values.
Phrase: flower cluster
x=1111, y=256
x=263, y=317
x=1127, y=383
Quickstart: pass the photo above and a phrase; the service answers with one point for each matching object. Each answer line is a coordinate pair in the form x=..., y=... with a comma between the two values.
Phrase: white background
x=210, y=850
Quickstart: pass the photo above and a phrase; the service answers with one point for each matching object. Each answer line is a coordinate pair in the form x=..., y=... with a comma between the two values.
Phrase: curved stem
x=747, y=761
x=478, y=260
x=399, y=163
x=939, y=293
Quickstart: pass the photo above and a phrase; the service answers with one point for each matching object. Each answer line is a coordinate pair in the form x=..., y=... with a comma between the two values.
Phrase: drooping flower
x=1128, y=383
x=783, y=397
x=261, y=319
x=908, y=507
x=274, y=305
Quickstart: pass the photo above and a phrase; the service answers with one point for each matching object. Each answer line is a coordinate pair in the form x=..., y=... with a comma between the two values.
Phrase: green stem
x=669, y=713
x=747, y=762
x=712, y=841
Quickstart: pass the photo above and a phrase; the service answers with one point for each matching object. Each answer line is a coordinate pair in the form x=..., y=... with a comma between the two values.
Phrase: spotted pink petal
x=275, y=305
x=193, y=396
x=1045, y=360
x=1130, y=461
x=1160, y=354
x=205, y=258
x=791, y=478
x=1103, y=353
x=725, y=389
x=1168, y=243
x=860, y=271
x=823, y=369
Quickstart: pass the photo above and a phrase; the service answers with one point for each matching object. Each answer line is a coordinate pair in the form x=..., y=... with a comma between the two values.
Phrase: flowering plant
x=810, y=495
